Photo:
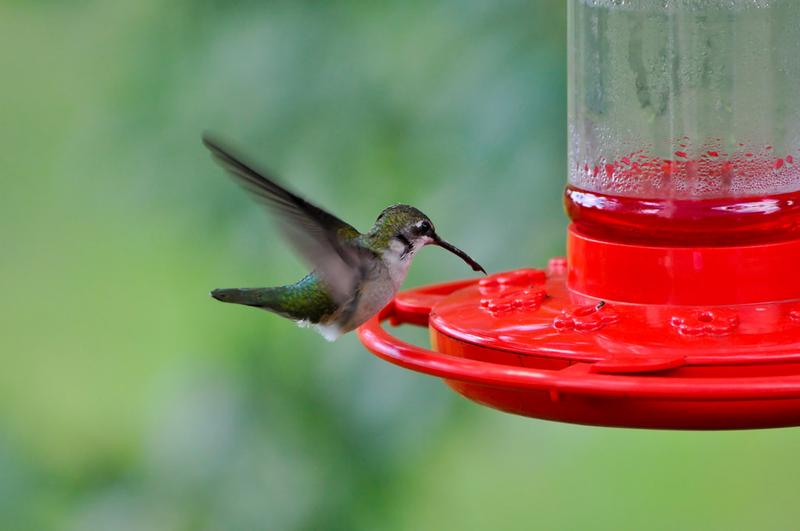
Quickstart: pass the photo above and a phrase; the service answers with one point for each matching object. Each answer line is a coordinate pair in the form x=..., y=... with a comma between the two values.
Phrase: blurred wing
x=319, y=237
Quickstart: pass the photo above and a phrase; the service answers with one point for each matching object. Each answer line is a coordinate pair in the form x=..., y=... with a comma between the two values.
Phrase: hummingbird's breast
x=381, y=283
x=375, y=292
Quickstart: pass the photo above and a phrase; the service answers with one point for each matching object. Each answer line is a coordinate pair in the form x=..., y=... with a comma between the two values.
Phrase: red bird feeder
x=678, y=305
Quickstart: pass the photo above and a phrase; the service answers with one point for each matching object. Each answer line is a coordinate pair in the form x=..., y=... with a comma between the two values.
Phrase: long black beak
x=459, y=253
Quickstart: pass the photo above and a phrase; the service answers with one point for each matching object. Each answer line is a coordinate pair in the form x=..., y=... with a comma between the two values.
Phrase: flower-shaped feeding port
x=586, y=318
x=524, y=300
x=511, y=280
x=705, y=322
x=513, y=291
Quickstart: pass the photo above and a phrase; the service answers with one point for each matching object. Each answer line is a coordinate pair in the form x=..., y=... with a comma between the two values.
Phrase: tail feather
x=305, y=300
x=258, y=297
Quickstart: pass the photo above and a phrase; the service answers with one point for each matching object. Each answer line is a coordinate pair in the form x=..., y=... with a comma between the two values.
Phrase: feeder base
x=524, y=343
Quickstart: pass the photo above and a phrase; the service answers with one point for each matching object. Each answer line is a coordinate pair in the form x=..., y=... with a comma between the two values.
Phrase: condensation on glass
x=684, y=98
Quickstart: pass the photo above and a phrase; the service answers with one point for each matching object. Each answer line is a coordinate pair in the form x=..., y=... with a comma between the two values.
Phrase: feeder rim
x=576, y=378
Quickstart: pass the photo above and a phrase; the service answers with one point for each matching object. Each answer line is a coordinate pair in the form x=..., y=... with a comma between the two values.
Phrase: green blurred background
x=129, y=400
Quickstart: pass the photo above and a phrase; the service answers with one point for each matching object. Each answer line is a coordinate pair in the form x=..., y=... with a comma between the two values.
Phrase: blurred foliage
x=131, y=401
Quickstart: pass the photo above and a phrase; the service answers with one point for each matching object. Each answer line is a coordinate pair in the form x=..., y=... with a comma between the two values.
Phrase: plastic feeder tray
x=525, y=343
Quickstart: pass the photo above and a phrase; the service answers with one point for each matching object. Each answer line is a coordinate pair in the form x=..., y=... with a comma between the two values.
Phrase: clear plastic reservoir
x=684, y=120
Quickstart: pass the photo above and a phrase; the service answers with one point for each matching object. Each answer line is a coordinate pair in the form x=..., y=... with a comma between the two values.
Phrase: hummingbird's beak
x=459, y=253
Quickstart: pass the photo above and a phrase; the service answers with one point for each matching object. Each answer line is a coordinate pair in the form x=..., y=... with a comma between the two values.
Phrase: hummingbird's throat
x=399, y=255
x=401, y=248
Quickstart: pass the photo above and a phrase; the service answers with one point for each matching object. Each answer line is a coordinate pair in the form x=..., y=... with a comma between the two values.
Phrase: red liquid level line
x=683, y=222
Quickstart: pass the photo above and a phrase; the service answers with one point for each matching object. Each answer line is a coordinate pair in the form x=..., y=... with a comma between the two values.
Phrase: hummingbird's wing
x=320, y=238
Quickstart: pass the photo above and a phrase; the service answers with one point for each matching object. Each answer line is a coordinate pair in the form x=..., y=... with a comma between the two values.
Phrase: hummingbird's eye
x=424, y=227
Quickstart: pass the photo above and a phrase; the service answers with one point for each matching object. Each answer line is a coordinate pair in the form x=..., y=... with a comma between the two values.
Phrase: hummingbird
x=354, y=275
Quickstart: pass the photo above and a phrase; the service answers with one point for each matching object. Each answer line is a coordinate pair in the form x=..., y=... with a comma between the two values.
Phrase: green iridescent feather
x=306, y=299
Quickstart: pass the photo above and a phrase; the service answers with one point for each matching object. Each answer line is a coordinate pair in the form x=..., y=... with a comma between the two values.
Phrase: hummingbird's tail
x=258, y=297
x=305, y=300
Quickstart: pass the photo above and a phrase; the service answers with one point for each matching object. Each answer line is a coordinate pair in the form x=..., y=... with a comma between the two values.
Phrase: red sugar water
x=716, y=199
x=681, y=222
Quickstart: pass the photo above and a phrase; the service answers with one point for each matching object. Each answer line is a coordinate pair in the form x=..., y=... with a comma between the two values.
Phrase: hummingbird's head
x=404, y=230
